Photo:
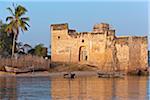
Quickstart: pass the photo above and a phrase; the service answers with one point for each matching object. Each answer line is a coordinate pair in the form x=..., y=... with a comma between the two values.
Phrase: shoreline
x=54, y=74
x=49, y=74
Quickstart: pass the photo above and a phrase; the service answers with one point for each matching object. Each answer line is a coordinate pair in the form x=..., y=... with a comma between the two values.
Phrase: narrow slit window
x=82, y=41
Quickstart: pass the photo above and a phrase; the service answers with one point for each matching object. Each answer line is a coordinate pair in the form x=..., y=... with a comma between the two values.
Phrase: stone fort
x=100, y=47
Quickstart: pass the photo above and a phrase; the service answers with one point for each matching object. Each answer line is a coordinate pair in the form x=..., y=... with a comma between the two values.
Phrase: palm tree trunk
x=13, y=46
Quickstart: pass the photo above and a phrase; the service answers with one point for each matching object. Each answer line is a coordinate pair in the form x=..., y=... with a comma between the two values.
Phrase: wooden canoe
x=111, y=74
x=15, y=70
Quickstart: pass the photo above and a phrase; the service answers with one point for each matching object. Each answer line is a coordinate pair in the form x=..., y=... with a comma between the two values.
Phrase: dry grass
x=24, y=62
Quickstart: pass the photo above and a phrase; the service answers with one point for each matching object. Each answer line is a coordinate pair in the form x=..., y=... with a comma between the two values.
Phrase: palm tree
x=16, y=22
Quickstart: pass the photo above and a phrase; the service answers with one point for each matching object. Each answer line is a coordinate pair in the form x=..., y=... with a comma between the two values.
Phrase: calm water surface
x=83, y=88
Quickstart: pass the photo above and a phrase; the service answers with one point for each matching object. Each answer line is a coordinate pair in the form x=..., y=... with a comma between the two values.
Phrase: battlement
x=63, y=26
x=126, y=39
x=138, y=38
x=101, y=27
x=98, y=28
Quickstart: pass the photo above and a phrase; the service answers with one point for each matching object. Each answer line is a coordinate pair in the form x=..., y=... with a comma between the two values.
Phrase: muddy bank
x=59, y=69
x=52, y=74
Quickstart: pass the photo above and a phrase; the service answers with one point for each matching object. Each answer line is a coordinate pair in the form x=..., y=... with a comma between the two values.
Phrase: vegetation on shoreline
x=5, y=41
x=9, y=32
x=17, y=22
x=17, y=56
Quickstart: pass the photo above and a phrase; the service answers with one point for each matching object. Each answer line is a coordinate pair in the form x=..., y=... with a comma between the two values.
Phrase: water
x=83, y=88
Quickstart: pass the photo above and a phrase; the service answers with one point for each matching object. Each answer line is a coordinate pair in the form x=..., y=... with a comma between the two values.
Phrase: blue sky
x=128, y=18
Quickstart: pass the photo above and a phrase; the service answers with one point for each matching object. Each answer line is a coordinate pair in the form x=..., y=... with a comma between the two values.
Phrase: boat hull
x=15, y=70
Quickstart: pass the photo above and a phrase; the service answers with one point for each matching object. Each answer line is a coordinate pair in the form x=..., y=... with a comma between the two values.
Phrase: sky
x=129, y=17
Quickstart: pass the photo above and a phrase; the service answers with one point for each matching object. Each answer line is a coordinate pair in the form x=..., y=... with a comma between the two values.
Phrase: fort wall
x=100, y=47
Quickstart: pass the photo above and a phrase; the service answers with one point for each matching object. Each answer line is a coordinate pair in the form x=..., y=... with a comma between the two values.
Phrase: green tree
x=39, y=50
x=17, y=22
x=5, y=41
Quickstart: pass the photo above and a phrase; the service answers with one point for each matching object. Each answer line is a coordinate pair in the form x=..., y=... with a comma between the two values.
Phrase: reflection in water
x=148, y=87
x=92, y=88
x=7, y=88
x=83, y=88
x=24, y=88
x=33, y=88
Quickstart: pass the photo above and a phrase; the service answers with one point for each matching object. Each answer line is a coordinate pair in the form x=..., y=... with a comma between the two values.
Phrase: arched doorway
x=83, y=54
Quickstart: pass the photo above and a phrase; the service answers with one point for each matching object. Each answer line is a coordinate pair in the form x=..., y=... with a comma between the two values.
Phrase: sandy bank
x=6, y=74
x=48, y=74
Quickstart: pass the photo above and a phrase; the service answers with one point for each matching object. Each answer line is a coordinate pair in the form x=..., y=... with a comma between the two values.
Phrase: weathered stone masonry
x=100, y=47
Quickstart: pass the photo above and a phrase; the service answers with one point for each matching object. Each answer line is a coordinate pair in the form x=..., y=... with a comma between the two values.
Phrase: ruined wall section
x=138, y=52
x=94, y=43
x=58, y=45
x=77, y=41
x=66, y=44
x=101, y=46
x=122, y=45
x=144, y=52
x=132, y=52
x=97, y=48
x=110, y=52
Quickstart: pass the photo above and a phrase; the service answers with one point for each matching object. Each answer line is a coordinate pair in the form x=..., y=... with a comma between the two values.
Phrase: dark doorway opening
x=83, y=54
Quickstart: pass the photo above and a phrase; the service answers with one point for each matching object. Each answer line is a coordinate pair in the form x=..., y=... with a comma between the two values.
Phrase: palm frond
x=22, y=25
x=11, y=11
x=27, y=24
x=24, y=28
x=20, y=10
x=9, y=28
x=25, y=19
x=9, y=18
